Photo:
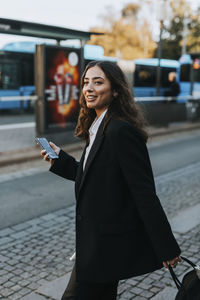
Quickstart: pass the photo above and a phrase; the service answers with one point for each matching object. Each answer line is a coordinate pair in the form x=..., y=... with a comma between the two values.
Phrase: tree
x=193, y=39
x=173, y=31
x=183, y=26
x=126, y=36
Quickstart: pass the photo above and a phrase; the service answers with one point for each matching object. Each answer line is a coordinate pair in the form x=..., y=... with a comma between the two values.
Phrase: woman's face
x=97, y=90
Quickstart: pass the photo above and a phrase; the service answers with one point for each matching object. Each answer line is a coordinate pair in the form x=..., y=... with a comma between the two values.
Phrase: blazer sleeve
x=65, y=166
x=136, y=168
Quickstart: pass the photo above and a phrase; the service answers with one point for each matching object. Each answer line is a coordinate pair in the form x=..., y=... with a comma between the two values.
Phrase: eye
x=85, y=82
x=98, y=82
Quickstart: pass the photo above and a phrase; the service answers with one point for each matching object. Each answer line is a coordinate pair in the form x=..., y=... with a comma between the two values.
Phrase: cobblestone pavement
x=37, y=252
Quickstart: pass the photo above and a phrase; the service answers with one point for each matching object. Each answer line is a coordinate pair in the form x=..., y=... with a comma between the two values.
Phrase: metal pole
x=158, y=77
x=82, y=42
x=191, y=77
x=185, y=23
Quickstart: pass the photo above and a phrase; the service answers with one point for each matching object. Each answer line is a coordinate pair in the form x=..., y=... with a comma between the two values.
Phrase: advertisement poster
x=62, y=86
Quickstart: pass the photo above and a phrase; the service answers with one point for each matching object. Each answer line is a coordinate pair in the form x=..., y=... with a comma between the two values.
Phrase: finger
x=53, y=145
x=173, y=263
x=46, y=157
x=43, y=152
x=165, y=264
x=51, y=161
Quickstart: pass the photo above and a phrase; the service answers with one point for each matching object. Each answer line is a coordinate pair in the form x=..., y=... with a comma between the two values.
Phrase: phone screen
x=45, y=145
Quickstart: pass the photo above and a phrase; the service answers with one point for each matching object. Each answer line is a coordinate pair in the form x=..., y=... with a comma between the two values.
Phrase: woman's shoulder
x=117, y=127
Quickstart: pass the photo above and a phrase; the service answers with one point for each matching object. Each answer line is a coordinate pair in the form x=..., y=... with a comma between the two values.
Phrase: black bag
x=189, y=288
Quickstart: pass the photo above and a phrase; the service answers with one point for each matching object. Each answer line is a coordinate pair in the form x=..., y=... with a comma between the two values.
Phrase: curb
x=174, y=129
x=32, y=153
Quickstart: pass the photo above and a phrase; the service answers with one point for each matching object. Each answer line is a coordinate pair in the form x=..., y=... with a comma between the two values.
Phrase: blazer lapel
x=80, y=172
x=93, y=151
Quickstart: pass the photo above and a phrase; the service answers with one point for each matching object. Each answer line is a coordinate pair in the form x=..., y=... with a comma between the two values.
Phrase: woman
x=121, y=228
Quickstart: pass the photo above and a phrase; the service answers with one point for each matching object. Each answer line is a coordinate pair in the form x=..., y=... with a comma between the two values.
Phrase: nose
x=89, y=86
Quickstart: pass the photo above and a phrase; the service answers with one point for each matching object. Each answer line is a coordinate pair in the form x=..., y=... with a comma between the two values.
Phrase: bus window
x=197, y=75
x=27, y=73
x=185, y=72
x=10, y=77
x=145, y=76
x=196, y=70
x=1, y=83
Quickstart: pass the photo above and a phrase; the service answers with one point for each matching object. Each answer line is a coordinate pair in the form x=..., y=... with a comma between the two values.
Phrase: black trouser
x=89, y=290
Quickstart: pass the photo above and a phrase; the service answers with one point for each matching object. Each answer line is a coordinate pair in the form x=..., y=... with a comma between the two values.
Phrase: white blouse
x=93, y=131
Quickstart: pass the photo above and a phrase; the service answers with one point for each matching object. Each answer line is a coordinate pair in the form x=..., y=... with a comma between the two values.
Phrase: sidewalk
x=18, y=144
x=34, y=256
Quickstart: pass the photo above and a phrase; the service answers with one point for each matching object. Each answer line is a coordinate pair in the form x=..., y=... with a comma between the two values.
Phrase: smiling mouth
x=91, y=98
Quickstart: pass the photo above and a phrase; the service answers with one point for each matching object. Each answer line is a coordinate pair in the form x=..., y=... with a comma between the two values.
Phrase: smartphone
x=45, y=145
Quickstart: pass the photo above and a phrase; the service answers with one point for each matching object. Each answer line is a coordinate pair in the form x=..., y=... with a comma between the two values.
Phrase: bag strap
x=174, y=277
x=189, y=262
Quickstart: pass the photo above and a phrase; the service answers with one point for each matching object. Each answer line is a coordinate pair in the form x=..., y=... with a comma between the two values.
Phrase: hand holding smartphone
x=45, y=145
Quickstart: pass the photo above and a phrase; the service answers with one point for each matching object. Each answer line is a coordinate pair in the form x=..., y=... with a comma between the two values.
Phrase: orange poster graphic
x=62, y=86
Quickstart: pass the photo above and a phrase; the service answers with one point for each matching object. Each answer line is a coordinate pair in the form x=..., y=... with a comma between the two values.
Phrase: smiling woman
x=121, y=228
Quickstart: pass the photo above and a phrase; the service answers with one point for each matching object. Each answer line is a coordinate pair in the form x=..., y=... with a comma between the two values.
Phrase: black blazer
x=121, y=228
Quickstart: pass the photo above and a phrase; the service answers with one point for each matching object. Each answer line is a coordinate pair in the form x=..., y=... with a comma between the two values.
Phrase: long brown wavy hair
x=122, y=106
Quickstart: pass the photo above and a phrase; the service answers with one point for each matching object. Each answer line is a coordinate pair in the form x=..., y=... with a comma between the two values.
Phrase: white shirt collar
x=96, y=123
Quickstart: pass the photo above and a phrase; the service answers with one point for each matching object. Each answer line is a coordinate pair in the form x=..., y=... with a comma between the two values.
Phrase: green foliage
x=174, y=30
x=193, y=39
x=171, y=44
x=126, y=36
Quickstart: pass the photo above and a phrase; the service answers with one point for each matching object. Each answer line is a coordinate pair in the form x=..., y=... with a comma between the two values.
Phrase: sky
x=75, y=14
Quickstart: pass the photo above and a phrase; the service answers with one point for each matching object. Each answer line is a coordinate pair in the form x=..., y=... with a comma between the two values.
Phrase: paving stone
x=5, y=240
x=167, y=294
x=24, y=291
x=55, y=288
x=16, y=296
x=8, y=284
x=33, y=296
x=33, y=286
x=12, y=262
x=49, y=217
x=21, y=226
x=33, y=229
x=6, y=292
x=6, y=232
x=3, y=272
x=146, y=294
x=24, y=283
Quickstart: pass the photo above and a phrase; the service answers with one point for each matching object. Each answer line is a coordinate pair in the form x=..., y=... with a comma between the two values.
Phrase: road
x=175, y=151
x=29, y=190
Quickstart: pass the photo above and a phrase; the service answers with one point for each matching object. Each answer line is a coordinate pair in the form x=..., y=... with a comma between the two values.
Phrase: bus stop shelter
x=30, y=29
x=15, y=27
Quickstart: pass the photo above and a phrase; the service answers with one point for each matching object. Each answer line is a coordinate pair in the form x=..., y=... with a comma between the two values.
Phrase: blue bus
x=17, y=73
x=16, y=77
x=189, y=74
x=145, y=74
